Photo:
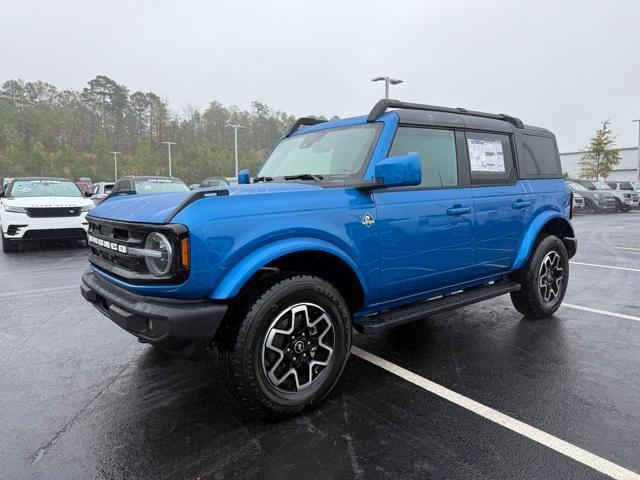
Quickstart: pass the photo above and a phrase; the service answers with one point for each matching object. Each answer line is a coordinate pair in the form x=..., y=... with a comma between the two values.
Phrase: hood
x=157, y=208
x=49, y=201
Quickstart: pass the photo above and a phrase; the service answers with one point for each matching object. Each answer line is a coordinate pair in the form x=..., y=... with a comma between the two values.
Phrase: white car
x=100, y=191
x=42, y=208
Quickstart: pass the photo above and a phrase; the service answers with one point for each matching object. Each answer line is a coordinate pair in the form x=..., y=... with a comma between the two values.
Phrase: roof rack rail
x=302, y=122
x=381, y=107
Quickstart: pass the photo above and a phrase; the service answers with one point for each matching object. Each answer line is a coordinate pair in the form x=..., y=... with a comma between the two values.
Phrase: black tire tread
x=525, y=300
x=238, y=376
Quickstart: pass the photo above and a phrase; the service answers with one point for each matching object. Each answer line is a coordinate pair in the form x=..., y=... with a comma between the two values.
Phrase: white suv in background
x=42, y=208
x=100, y=191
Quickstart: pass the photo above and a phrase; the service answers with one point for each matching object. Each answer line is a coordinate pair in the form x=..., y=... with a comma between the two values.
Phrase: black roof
x=452, y=117
x=433, y=115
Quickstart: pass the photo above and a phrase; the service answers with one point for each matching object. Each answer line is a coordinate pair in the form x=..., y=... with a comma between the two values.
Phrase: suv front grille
x=42, y=212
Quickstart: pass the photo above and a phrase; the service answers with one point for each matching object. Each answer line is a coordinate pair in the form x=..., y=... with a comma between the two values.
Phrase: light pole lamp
x=115, y=166
x=235, y=141
x=387, y=81
x=638, y=121
x=168, y=144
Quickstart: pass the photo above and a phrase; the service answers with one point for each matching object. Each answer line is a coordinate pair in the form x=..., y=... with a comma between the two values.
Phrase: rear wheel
x=8, y=246
x=544, y=279
x=289, y=346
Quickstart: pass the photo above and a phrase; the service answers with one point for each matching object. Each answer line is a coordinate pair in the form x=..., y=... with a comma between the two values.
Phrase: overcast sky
x=562, y=65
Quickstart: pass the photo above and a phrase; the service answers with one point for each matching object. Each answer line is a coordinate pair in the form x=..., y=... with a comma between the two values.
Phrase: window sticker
x=486, y=156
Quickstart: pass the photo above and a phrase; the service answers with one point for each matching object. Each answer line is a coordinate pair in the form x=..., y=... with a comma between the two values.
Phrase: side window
x=539, y=156
x=437, y=148
x=490, y=158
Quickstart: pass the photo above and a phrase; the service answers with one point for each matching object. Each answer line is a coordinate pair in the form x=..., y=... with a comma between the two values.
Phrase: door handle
x=520, y=204
x=458, y=210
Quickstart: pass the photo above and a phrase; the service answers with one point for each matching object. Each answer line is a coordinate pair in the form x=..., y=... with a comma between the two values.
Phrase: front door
x=426, y=232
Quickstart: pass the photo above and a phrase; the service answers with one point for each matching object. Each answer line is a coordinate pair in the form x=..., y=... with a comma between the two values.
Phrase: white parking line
x=38, y=291
x=605, y=266
x=602, y=312
x=629, y=248
x=565, y=448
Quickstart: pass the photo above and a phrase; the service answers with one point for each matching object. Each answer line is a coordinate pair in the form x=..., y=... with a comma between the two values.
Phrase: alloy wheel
x=298, y=347
x=550, y=277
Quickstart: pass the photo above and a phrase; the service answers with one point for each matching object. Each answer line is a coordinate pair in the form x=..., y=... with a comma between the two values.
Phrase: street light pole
x=235, y=141
x=638, y=147
x=387, y=81
x=115, y=166
x=169, y=151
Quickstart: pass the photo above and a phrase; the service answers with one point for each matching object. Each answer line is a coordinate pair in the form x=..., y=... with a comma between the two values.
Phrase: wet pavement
x=80, y=398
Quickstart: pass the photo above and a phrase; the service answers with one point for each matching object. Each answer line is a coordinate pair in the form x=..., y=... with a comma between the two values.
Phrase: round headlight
x=160, y=255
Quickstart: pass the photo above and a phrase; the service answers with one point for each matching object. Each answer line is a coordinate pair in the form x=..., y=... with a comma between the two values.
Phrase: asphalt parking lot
x=81, y=398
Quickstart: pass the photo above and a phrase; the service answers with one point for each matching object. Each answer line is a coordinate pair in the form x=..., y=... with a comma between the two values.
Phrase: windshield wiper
x=262, y=179
x=304, y=176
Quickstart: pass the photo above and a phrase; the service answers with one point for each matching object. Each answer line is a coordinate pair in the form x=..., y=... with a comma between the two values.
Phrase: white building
x=626, y=170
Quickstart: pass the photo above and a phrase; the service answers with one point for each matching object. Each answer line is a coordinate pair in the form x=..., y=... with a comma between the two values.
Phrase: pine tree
x=601, y=155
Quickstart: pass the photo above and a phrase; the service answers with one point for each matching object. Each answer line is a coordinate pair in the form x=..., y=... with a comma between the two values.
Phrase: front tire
x=544, y=279
x=288, y=346
x=8, y=246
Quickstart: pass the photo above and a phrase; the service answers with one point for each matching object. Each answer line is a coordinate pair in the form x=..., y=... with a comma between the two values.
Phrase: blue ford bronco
x=366, y=223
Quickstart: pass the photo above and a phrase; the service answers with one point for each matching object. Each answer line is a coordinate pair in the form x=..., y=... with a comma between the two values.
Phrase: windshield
x=635, y=185
x=577, y=187
x=337, y=151
x=160, y=185
x=602, y=186
x=43, y=188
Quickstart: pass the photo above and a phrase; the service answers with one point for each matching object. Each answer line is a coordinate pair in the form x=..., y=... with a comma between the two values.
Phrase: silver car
x=624, y=200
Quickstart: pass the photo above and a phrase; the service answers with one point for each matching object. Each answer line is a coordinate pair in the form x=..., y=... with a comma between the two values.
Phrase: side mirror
x=87, y=193
x=400, y=171
x=244, y=177
x=1, y=192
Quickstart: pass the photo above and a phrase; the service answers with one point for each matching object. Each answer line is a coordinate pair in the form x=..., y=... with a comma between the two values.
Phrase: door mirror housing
x=399, y=171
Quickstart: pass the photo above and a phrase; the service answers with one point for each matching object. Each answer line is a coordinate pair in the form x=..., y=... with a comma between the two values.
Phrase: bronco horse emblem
x=368, y=220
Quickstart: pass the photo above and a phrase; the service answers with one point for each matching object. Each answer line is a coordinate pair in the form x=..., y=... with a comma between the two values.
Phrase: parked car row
x=51, y=208
x=598, y=197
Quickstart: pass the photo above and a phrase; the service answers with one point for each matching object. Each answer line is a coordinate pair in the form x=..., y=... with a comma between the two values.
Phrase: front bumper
x=183, y=327
x=606, y=204
x=19, y=226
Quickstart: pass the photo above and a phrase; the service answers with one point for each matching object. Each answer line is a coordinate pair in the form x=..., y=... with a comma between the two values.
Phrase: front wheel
x=287, y=346
x=544, y=279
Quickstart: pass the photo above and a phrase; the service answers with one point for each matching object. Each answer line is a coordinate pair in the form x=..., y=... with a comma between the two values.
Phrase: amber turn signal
x=185, y=259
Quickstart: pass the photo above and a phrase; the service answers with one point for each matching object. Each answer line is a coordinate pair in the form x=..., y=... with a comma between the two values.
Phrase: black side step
x=406, y=314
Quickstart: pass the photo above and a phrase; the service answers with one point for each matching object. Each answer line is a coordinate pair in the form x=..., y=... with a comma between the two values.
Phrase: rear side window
x=437, y=148
x=539, y=156
x=490, y=158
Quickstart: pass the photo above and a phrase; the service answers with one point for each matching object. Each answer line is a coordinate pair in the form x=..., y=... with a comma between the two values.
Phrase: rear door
x=502, y=204
x=426, y=231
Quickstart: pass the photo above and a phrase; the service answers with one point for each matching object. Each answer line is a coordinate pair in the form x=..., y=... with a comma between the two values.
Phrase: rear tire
x=544, y=279
x=8, y=246
x=290, y=323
